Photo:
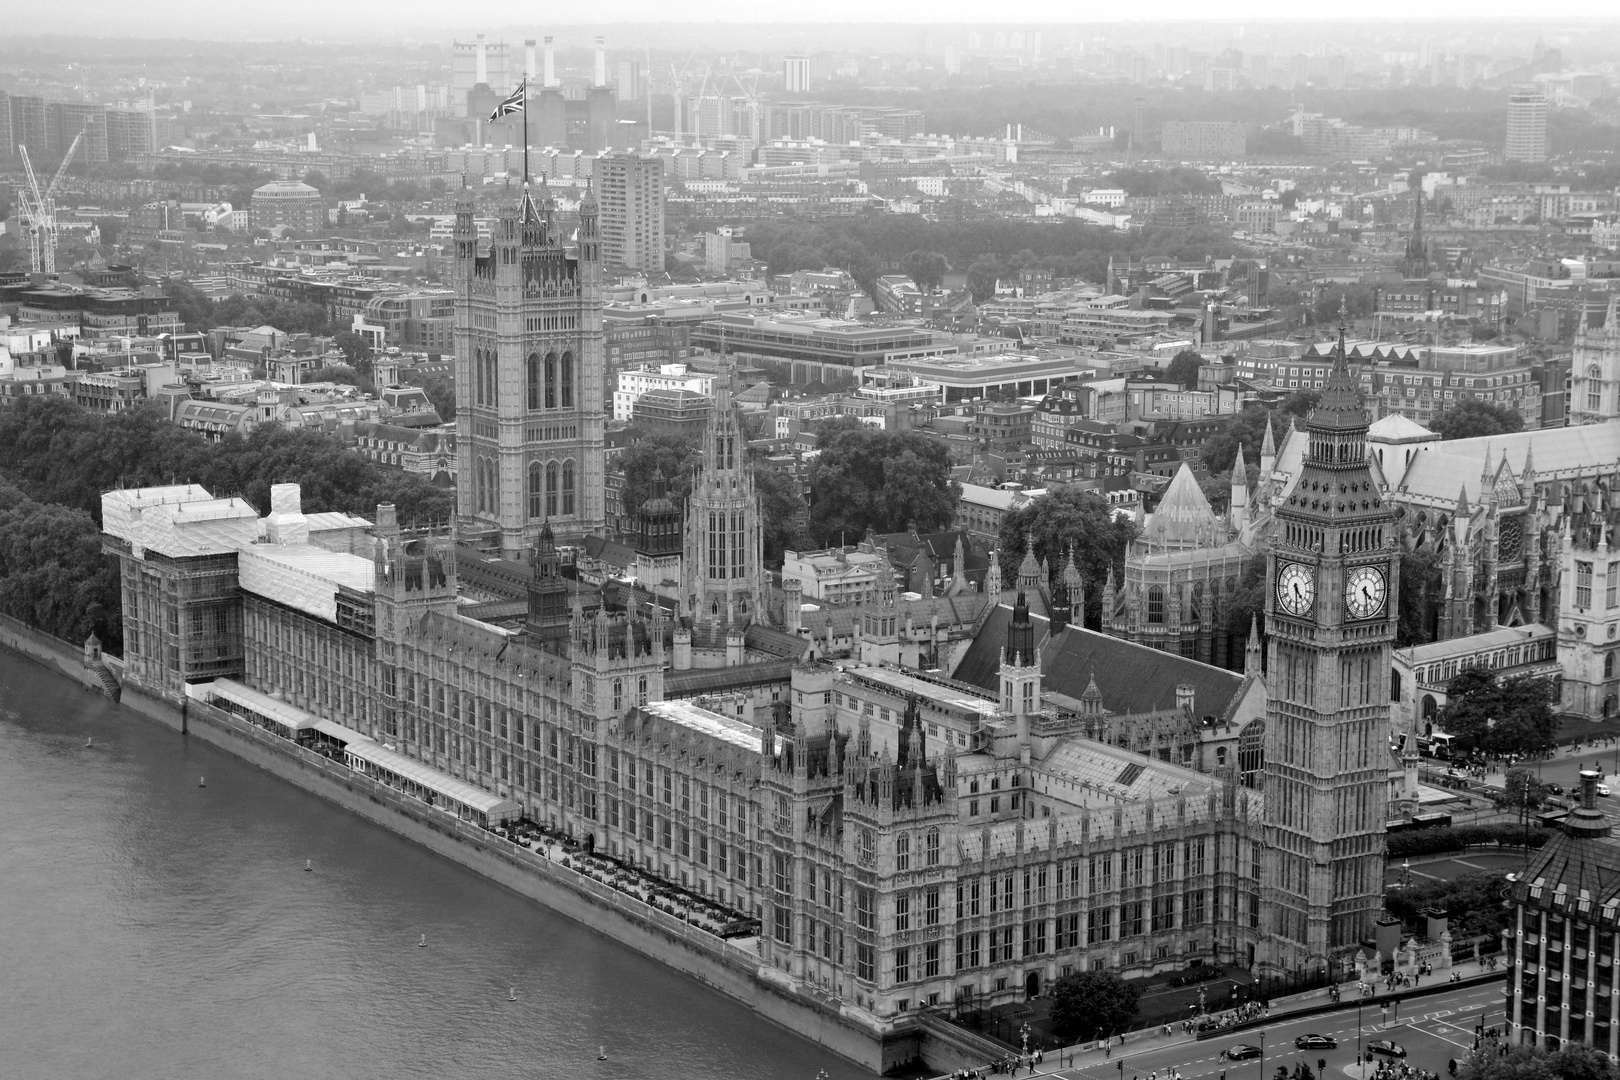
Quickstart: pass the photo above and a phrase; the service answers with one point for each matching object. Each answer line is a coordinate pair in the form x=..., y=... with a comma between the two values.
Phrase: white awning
x=474, y=798
x=334, y=730
x=290, y=717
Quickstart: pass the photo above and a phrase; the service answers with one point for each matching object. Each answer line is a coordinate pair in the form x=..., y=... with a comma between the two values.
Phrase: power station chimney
x=528, y=60
x=482, y=77
x=601, y=63
x=551, y=65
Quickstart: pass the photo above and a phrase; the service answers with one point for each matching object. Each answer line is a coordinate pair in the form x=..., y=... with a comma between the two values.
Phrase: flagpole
x=525, y=131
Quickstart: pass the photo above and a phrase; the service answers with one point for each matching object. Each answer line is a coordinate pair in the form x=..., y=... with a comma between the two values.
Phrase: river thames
x=150, y=927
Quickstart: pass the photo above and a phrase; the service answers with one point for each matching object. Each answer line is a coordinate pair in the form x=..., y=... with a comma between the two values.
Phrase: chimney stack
x=528, y=60
x=482, y=76
x=551, y=65
x=601, y=63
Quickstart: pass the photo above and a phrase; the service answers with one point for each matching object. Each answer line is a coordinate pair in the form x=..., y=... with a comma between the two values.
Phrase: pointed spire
x=1251, y=652
x=1240, y=469
x=1463, y=509
x=1268, y=444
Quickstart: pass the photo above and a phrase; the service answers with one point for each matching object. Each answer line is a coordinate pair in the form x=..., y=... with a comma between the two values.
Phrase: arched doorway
x=1032, y=985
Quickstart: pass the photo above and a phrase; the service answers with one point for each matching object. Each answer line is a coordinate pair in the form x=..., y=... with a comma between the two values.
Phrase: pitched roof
x=1398, y=428
x=1183, y=515
x=1132, y=678
x=981, y=665
x=1438, y=470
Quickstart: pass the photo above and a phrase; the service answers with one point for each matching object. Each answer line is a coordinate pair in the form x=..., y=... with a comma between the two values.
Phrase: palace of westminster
x=957, y=798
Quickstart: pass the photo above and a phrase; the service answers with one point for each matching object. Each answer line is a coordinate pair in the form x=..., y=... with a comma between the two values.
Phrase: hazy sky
x=208, y=19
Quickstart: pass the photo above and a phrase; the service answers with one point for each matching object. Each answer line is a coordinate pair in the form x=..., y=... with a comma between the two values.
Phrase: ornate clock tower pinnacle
x=1330, y=619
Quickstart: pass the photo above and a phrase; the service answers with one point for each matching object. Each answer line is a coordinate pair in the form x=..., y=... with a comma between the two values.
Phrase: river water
x=150, y=927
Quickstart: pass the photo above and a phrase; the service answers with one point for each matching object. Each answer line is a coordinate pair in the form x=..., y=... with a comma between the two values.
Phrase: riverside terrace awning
x=338, y=733
x=243, y=701
x=448, y=788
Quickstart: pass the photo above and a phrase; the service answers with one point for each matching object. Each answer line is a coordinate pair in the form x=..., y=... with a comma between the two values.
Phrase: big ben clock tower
x=1330, y=615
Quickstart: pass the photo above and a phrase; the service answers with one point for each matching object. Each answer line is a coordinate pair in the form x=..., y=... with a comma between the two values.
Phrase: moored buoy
x=601, y=1053
x=202, y=781
x=423, y=943
x=90, y=741
x=511, y=995
x=309, y=865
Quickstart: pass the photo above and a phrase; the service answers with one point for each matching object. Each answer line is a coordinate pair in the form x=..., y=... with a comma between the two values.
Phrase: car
x=1386, y=1048
x=1553, y=789
x=1242, y=1051
x=1317, y=1042
x=1603, y=789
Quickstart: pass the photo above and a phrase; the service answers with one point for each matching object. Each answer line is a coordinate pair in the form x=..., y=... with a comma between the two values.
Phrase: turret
x=1268, y=453
x=1238, y=512
x=992, y=577
x=1252, y=653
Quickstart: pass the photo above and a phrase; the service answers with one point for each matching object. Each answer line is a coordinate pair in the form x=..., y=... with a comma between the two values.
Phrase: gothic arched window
x=1155, y=604
x=567, y=380
x=551, y=380
x=536, y=490
x=931, y=853
x=534, y=380
x=478, y=376
x=1252, y=752
x=567, y=488
x=902, y=853
x=551, y=489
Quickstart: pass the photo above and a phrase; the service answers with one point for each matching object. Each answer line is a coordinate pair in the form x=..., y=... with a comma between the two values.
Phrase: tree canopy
x=1184, y=368
x=1086, y=1004
x=926, y=268
x=1248, y=430
x=1499, y=716
x=1572, y=1061
x=53, y=575
x=656, y=452
x=56, y=451
x=866, y=478
x=1470, y=418
x=1069, y=516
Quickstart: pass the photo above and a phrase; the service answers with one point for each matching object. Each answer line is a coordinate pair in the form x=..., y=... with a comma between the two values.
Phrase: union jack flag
x=513, y=103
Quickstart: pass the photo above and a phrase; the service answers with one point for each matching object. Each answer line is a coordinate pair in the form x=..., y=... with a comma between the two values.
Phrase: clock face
x=1296, y=588
x=1364, y=592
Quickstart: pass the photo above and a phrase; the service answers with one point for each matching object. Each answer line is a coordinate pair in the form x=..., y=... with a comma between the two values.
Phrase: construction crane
x=39, y=211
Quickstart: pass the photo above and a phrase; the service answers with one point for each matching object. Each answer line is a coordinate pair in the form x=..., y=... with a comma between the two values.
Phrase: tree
x=661, y=452
x=1086, y=1004
x=781, y=510
x=1470, y=418
x=1069, y=516
x=926, y=268
x=1248, y=430
x=1572, y=1061
x=1184, y=368
x=1521, y=788
x=1509, y=716
x=982, y=277
x=357, y=349
x=441, y=391
x=865, y=478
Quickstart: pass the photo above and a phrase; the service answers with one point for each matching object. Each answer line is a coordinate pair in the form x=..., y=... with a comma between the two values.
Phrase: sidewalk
x=1091, y=1054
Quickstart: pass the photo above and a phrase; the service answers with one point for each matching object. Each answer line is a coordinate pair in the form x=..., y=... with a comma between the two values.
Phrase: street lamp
x=1360, y=1000
x=1406, y=872
x=1024, y=1031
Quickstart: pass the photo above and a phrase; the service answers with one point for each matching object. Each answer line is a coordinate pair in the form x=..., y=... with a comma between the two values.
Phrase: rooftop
x=737, y=732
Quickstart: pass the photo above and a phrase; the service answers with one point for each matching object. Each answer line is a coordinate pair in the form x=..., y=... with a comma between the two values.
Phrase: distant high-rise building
x=130, y=132
x=796, y=74
x=630, y=194
x=288, y=202
x=630, y=79
x=1203, y=140
x=1527, y=126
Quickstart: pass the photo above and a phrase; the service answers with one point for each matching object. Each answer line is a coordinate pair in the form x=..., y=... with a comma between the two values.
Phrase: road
x=1564, y=769
x=1440, y=1027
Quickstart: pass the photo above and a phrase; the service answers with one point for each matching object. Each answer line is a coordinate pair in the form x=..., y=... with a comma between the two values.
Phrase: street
x=1433, y=1030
